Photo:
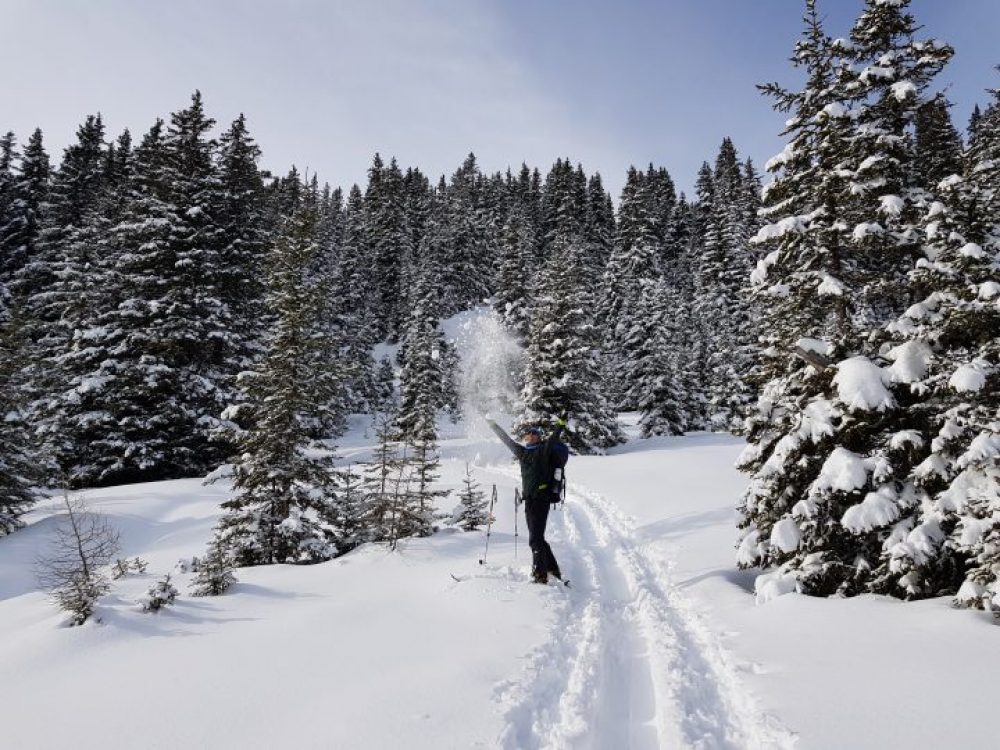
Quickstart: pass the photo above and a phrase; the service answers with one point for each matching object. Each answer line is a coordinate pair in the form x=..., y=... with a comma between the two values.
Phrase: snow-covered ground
x=658, y=643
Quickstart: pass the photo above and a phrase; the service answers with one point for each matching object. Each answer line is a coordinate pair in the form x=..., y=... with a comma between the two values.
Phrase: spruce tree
x=601, y=225
x=353, y=306
x=348, y=512
x=830, y=446
x=381, y=478
x=202, y=329
x=518, y=249
x=215, y=574
x=243, y=238
x=18, y=473
x=385, y=398
x=469, y=248
x=681, y=245
x=140, y=424
x=388, y=238
x=8, y=155
x=657, y=378
x=283, y=482
x=938, y=144
x=562, y=374
x=23, y=218
x=723, y=270
x=417, y=513
x=887, y=77
x=473, y=509
x=65, y=291
x=804, y=304
x=983, y=170
x=945, y=352
x=635, y=258
x=423, y=375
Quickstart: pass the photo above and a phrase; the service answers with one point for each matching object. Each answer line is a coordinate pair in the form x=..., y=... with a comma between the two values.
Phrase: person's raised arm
x=514, y=447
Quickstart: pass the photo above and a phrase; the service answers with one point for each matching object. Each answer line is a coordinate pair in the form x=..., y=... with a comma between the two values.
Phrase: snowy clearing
x=657, y=644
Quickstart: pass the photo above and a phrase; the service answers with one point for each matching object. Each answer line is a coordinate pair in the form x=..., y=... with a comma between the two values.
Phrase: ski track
x=628, y=662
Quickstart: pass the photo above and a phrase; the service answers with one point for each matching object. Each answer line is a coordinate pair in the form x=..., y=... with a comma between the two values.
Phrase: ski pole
x=517, y=501
x=489, y=524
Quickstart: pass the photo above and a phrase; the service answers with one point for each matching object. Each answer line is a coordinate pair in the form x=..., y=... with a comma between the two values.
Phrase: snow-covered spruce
x=473, y=508
x=427, y=379
x=722, y=298
x=215, y=574
x=947, y=350
x=657, y=376
x=830, y=448
x=348, y=511
x=563, y=371
x=635, y=258
x=123, y=567
x=18, y=471
x=283, y=483
x=161, y=594
x=518, y=246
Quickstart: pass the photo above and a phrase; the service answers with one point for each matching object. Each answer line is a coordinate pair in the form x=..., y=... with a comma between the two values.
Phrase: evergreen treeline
x=875, y=447
x=138, y=294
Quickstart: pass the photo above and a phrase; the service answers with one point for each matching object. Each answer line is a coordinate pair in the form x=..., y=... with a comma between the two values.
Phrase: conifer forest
x=173, y=311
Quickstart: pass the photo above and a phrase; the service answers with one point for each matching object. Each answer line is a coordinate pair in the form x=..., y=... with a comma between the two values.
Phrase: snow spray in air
x=491, y=364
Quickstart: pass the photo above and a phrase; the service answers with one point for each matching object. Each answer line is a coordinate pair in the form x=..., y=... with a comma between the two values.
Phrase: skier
x=537, y=466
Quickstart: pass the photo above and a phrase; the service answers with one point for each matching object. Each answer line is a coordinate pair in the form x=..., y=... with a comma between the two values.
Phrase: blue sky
x=326, y=84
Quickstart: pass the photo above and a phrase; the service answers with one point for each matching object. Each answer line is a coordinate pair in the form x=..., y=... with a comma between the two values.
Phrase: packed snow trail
x=628, y=663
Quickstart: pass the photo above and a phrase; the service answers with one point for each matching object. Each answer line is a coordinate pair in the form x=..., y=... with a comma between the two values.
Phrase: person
x=535, y=457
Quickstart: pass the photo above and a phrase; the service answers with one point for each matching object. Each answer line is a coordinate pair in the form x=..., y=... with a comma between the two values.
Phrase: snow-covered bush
x=160, y=594
x=122, y=568
x=215, y=575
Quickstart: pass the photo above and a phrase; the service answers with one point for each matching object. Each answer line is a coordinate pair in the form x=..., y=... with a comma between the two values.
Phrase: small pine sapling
x=160, y=594
x=215, y=575
x=122, y=568
x=188, y=565
x=472, y=511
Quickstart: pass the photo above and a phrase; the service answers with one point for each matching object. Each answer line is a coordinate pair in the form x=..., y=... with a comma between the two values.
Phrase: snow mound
x=861, y=385
x=879, y=508
x=910, y=362
x=786, y=535
x=769, y=586
x=843, y=471
x=971, y=377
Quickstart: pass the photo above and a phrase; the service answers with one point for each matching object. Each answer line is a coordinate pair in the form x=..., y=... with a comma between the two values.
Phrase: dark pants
x=536, y=512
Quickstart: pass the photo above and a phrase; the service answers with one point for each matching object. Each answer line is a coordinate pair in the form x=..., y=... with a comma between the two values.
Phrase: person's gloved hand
x=561, y=421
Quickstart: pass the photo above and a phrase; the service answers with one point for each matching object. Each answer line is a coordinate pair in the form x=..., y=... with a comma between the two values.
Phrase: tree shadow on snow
x=682, y=525
x=176, y=620
x=742, y=579
x=676, y=443
x=255, y=589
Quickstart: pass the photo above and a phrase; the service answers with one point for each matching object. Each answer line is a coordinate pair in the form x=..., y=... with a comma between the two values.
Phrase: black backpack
x=558, y=457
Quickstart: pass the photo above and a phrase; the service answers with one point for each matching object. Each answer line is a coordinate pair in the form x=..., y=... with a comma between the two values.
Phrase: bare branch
x=815, y=359
x=83, y=543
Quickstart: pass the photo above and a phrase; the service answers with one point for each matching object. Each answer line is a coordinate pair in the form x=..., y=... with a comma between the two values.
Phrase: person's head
x=531, y=435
